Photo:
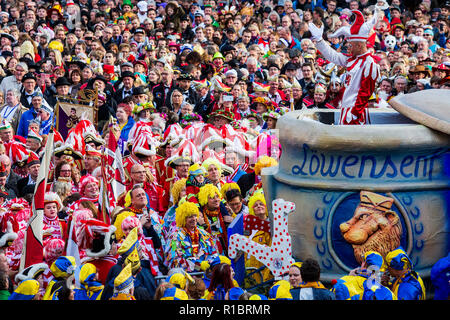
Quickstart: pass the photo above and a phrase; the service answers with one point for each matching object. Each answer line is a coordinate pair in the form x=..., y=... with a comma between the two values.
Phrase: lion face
x=372, y=229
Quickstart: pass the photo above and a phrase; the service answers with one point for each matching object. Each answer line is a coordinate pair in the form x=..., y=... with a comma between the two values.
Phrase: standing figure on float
x=362, y=71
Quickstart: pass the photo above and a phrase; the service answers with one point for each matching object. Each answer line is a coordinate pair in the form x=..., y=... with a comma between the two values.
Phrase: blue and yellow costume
x=26, y=290
x=353, y=287
x=281, y=290
x=174, y=294
x=409, y=286
x=62, y=268
x=89, y=288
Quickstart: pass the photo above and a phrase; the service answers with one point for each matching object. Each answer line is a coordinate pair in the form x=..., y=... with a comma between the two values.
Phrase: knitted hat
x=197, y=170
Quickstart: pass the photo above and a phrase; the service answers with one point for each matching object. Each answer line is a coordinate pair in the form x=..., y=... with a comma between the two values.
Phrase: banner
x=33, y=244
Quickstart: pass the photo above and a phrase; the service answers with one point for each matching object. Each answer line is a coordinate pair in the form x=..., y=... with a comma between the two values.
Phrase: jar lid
x=429, y=107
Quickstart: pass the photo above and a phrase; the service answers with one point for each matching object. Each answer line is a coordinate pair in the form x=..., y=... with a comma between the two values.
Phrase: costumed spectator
x=214, y=216
x=311, y=288
x=220, y=283
x=130, y=258
x=406, y=283
x=190, y=245
x=124, y=285
x=62, y=268
x=295, y=277
x=90, y=288
x=26, y=290
x=12, y=110
x=258, y=209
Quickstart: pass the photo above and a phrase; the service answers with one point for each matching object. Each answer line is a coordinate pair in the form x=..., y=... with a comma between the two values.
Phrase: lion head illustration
x=373, y=227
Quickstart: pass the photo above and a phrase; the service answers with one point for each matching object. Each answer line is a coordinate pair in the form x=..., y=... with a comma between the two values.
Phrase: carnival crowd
x=187, y=96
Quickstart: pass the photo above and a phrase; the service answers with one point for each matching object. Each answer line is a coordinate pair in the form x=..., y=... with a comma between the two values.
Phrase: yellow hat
x=179, y=279
x=197, y=170
x=56, y=45
x=26, y=290
x=297, y=264
x=86, y=271
x=264, y=162
x=129, y=244
x=281, y=290
x=134, y=260
x=124, y=280
x=174, y=294
x=176, y=189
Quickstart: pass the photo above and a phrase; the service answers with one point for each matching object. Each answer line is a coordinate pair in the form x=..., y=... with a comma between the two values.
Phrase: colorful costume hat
x=53, y=197
x=130, y=243
x=257, y=196
x=180, y=278
x=398, y=260
x=26, y=290
x=359, y=30
x=124, y=280
x=206, y=192
x=31, y=272
x=63, y=267
x=280, y=291
x=174, y=294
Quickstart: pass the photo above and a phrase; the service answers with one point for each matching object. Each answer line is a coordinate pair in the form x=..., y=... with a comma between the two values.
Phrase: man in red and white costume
x=362, y=70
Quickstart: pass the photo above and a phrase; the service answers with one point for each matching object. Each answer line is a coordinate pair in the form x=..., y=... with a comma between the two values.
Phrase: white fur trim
x=32, y=270
x=106, y=243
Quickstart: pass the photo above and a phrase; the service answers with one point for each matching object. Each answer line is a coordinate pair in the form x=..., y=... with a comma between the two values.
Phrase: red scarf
x=195, y=237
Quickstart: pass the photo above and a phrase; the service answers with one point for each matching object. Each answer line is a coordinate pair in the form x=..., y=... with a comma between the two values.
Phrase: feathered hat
x=359, y=30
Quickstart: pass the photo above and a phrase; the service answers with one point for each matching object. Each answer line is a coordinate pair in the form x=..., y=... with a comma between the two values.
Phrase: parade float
x=366, y=187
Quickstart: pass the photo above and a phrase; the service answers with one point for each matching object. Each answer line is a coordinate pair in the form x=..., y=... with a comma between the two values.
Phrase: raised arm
x=329, y=53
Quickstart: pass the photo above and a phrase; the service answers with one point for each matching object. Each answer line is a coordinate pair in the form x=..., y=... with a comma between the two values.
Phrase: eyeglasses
x=140, y=172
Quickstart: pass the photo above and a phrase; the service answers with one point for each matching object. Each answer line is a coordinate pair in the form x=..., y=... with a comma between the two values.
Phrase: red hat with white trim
x=33, y=159
x=18, y=153
x=32, y=134
x=359, y=30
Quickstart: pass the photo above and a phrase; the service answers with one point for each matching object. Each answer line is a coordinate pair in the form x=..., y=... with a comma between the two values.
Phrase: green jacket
x=4, y=294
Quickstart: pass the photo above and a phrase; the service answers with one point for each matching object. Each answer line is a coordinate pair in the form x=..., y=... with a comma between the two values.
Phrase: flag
x=33, y=248
x=113, y=177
